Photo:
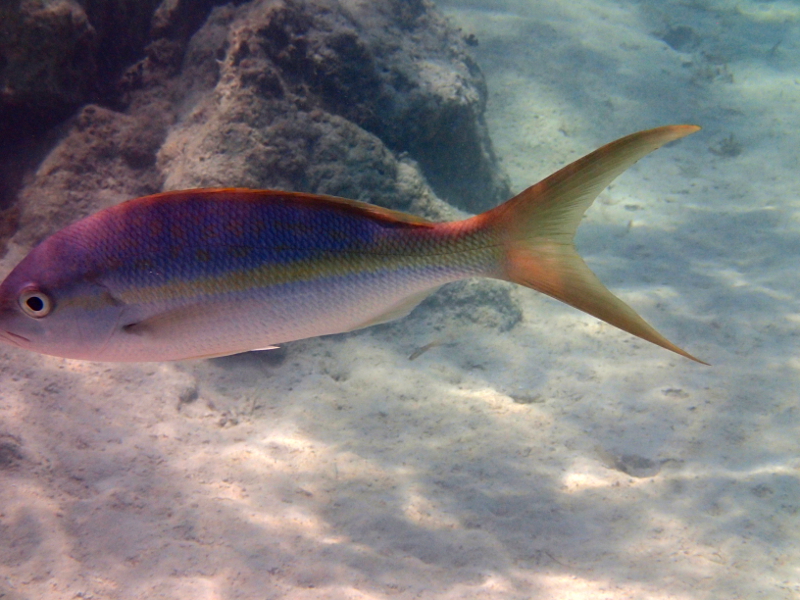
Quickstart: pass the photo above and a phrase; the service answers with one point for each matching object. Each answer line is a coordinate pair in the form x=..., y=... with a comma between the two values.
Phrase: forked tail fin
x=537, y=228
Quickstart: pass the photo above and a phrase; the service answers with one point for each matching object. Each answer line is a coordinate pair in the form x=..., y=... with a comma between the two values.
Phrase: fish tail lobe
x=537, y=229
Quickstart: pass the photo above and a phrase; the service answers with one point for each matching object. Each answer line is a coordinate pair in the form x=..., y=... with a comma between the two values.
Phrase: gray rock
x=104, y=157
x=393, y=67
x=487, y=303
x=376, y=101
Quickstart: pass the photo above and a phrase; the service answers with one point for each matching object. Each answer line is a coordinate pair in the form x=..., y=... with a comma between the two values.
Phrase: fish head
x=55, y=302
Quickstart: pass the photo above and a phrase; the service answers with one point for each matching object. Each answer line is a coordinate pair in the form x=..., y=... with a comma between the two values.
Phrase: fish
x=212, y=272
x=423, y=349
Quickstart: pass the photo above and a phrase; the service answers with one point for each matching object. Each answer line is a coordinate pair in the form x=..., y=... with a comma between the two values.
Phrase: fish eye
x=35, y=303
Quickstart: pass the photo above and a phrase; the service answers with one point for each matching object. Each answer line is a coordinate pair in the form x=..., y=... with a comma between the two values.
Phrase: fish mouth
x=13, y=338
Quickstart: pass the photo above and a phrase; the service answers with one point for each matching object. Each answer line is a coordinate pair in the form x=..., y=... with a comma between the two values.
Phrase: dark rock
x=47, y=63
x=103, y=157
x=10, y=453
x=294, y=80
x=367, y=100
x=396, y=69
x=56, y=55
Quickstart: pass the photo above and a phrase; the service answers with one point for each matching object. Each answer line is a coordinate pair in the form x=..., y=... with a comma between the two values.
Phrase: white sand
x=493, y=466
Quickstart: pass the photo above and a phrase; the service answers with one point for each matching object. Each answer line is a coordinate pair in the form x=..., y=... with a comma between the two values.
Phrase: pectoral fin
x=397, y=311
x=173, y=325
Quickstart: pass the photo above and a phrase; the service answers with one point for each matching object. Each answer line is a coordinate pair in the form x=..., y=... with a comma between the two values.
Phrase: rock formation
x=104, y=100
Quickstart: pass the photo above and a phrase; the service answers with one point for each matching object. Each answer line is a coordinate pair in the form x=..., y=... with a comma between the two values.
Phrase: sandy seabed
x=558, y=459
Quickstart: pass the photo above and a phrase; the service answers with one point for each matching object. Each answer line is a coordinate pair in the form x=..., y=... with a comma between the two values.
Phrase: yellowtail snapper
x=212, y=272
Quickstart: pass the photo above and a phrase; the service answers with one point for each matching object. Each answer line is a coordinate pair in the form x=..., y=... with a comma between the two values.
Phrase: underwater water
x=510, y=447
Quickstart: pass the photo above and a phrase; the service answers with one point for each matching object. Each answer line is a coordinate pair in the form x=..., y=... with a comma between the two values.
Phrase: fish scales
x=240, y=241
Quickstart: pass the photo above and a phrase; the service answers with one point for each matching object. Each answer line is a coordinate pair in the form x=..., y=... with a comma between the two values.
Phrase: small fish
x=423, y=349
x=212, y=272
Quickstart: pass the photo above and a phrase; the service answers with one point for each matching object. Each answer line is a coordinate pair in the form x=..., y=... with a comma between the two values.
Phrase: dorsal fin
x=331, y=202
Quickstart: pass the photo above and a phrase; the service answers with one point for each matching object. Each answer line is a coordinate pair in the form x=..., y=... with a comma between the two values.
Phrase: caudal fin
x=538, y=227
